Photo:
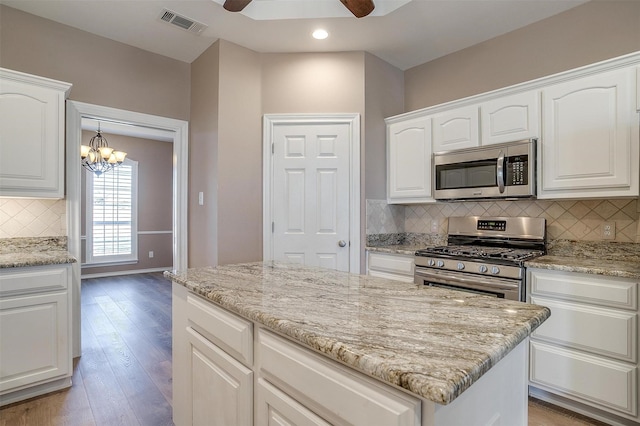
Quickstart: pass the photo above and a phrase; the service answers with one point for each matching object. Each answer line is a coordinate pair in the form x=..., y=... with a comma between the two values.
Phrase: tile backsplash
x=22, y=217
x=579, y=220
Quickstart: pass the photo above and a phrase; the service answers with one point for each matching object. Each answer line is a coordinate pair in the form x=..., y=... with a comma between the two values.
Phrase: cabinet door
x=607, y=384
x=221, y=391
x=409, y=161
x=607, y=332
x=274, y=407
x=31, y=139
x=510, y=118
x=34, y=339
x=392, y=266
x=590, y=141
x=456, y=129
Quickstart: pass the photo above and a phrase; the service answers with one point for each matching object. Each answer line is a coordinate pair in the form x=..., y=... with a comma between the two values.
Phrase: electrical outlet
x=150, y=254
x=609, y=231
x=434, y=226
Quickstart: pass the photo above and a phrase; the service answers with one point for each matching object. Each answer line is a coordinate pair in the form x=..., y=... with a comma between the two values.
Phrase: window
x=112, y=215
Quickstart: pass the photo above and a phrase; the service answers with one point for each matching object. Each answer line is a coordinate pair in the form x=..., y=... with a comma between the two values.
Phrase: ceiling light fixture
x=320, y=34
x=98, y=157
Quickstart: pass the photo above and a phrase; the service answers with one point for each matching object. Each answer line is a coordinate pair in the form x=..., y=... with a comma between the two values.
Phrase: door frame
x=353, y=120
x=75, y=112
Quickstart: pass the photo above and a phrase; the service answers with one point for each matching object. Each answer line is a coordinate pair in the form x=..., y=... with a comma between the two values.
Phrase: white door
x=311, y=193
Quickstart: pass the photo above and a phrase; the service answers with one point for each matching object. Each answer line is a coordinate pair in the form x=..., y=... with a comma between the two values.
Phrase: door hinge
x=273, y=227
x=273, y=148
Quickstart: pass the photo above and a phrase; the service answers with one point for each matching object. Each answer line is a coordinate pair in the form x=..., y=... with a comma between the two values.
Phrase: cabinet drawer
x=227, y=330
x=598, y=290
x=603, y=331
x=403, y=265
x=16, y=281
x=608, y=384
x=329, y=390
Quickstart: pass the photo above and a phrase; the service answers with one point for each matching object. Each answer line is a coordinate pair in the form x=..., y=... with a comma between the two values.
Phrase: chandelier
x=98, y=157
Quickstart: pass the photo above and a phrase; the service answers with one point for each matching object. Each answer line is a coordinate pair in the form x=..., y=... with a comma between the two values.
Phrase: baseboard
x=37, y=390
x=577, y=407
x=131, y=272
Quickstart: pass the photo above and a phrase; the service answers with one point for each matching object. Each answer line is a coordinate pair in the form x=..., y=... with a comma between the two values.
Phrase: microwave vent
x=187, y=24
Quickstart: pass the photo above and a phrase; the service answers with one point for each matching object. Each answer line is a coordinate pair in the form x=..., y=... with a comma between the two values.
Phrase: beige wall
x=384, y=86
x=155, y=179
x=102, y=71
x=589, y=33
x=239, y=156
x=313, y=83
x=203, y=158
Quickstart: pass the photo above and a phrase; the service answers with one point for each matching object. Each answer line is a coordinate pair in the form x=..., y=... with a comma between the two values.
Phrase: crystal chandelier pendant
x=98, y=157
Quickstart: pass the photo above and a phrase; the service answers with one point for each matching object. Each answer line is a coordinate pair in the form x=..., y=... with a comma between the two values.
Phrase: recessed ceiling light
x=320, y=34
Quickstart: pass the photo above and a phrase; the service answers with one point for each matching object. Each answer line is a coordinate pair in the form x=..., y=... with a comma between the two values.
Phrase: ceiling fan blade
x=235, y=5
x=359, y=8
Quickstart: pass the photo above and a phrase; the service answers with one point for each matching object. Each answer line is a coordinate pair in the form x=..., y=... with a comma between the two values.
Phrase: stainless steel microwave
x=493, y=171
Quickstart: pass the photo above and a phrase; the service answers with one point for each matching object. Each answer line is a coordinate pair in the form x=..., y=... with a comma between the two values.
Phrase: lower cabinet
x=211, y=384
x=398, y=267
x=327, y=392
x=221, y=387
x=35, y=331
x=290, y=385
x=587, y=351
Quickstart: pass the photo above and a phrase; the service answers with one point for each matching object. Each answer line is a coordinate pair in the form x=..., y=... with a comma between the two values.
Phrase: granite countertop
x=591, y=257
x=409, y=249
x=22, y=252
x=432, y=342
x=613, y=268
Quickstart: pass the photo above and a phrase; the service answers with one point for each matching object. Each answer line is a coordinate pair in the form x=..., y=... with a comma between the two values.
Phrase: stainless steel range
x=484, y=255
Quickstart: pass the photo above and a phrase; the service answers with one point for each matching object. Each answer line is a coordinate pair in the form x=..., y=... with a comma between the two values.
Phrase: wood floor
x=124, y=374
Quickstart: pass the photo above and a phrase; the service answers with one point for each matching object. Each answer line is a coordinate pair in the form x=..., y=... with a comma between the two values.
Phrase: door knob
x=342, y=243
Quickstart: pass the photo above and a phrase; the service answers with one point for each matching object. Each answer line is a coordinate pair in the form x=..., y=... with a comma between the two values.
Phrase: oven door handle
x=474, y=281
x=500, y=172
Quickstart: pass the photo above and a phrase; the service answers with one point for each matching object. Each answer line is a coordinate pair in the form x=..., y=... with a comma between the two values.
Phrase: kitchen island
x=266, y=341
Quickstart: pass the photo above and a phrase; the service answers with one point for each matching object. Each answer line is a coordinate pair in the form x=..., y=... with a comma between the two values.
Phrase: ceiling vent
x=182, y=22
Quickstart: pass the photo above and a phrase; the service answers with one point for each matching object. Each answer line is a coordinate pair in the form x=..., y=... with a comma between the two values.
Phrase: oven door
x=490, y=286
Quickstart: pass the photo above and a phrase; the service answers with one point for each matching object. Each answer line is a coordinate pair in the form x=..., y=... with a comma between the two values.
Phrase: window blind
x=113, y=212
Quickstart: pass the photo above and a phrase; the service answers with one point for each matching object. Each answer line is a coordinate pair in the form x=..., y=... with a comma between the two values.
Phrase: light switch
x=201, y=198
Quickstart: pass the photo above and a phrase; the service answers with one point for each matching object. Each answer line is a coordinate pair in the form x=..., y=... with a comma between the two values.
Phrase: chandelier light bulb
x=98, y=157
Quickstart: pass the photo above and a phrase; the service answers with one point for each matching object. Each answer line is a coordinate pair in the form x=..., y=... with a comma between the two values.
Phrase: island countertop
x=433, y=342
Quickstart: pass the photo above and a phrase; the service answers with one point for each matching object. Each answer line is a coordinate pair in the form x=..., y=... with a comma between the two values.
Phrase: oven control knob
x=440, y=263
x=431, y=262
x=482, y=268
x=495, y=270
x=460, y=266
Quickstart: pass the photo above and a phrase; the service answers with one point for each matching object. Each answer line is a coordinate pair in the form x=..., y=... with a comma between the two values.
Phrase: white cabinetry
x=409, y=161
x=212, y=384
x=398, y=267
x=456, y=129
x=587, y=351
x=316, y=385
x=510, y=118
x=35, y=331
x=31, y=135
x=214, y=370
x=590, y=143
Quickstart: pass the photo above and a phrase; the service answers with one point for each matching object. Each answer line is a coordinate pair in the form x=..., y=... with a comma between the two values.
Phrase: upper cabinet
x=409, y=161
x=456, y=129
x=589, y=146
x=510, y=118
x=31, y=135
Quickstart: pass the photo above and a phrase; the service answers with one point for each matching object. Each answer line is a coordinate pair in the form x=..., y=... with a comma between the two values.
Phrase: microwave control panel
x=517, y=170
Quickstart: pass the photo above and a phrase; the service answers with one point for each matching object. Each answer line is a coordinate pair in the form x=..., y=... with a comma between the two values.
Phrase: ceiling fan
x=359, y=8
